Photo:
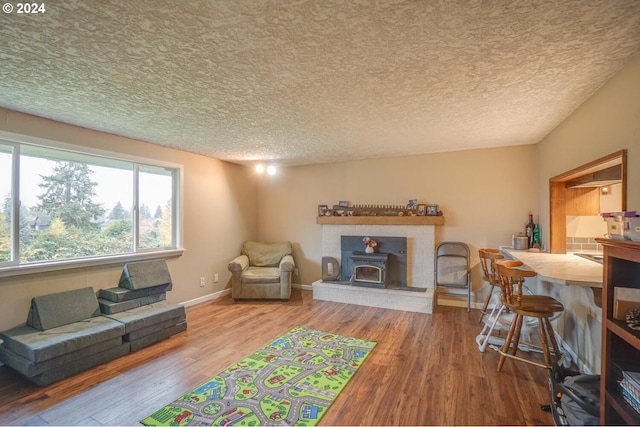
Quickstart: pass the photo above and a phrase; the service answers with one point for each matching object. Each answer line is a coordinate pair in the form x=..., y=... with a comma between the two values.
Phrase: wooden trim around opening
x=557, y=218
x=558, y=196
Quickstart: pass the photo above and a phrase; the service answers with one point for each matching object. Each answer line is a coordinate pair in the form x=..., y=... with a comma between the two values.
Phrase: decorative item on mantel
x=413, y=208
x=369, y=244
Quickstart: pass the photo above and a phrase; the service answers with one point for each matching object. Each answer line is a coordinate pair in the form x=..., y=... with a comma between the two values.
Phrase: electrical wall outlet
x=215, y=278
x=202, y=282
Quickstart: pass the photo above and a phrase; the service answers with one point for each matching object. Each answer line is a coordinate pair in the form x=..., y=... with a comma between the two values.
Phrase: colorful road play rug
x=291, y=381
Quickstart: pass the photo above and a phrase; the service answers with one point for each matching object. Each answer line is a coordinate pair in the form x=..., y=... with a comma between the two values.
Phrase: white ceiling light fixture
x=270, y=170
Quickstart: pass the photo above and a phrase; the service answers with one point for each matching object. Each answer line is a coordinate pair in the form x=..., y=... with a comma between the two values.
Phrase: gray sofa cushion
x=152, y=329
x=62, y=308
x=154, y=337
x=38, y=346
x=65, y=371
x=30, y=369
x=124, y=294
x=263, y=291
x=147, y=315
x=261, y=275
x=145, y=274
x=266, y=254
x=110, y=307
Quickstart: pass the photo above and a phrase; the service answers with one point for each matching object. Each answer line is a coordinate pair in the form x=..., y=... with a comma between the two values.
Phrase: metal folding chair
x=452, y=269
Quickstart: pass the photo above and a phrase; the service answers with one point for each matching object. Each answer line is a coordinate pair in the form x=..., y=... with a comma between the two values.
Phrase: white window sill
x=45, y=267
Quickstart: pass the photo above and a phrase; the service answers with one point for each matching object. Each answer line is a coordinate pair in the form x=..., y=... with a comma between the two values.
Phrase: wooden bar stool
x=488, y=258
x=542, y=307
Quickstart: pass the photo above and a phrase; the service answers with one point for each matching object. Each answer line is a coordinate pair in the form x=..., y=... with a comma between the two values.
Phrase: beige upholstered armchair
x=263, y=270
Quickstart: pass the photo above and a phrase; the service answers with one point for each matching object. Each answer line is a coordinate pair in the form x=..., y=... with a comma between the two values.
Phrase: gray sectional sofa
x=69, y=332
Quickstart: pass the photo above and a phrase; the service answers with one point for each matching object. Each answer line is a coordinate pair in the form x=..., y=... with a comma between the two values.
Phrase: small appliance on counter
x=520, y=242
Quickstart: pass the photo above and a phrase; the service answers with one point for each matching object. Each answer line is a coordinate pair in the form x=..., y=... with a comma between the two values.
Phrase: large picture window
x=61, y=205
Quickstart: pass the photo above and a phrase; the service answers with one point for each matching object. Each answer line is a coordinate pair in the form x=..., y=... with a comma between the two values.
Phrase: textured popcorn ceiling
x=314, y=81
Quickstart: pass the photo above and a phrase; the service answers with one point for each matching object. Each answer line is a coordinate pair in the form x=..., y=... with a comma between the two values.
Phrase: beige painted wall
x=219, y=213
x=485, y=195
x=609, y=121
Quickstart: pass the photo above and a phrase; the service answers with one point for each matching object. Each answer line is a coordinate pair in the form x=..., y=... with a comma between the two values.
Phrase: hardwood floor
x=425, y=370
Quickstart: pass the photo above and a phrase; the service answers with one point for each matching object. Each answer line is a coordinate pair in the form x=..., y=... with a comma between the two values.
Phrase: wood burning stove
x=370, y=270
x=386, y=268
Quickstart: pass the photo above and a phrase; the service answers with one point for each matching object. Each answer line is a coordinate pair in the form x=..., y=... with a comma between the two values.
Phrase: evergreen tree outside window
x=69, y=194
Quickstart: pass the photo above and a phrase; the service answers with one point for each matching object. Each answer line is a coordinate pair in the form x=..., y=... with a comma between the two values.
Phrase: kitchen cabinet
x=583, y=201
x=620, y=344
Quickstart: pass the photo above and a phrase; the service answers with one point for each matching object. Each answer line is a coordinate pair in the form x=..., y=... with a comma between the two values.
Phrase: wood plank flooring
x=425, y=370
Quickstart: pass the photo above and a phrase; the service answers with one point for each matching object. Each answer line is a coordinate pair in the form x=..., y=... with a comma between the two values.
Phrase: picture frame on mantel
x=322, y=210
x=422, y=210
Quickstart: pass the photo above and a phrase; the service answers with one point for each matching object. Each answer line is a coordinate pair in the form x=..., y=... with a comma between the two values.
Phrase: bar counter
x=577, y=283
x=562, y=269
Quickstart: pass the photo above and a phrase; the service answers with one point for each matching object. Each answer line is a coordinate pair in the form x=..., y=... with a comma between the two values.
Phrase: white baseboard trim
x=206, y=298
x=224, y=292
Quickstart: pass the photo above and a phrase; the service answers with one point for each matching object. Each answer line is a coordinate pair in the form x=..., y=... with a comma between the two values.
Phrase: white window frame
x=14, y=268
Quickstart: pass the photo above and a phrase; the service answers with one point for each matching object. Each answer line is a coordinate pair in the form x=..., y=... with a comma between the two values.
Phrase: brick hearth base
x=419, y=301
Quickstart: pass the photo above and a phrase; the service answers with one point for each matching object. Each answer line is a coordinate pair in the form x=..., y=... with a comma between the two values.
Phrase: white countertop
x=564, y=269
